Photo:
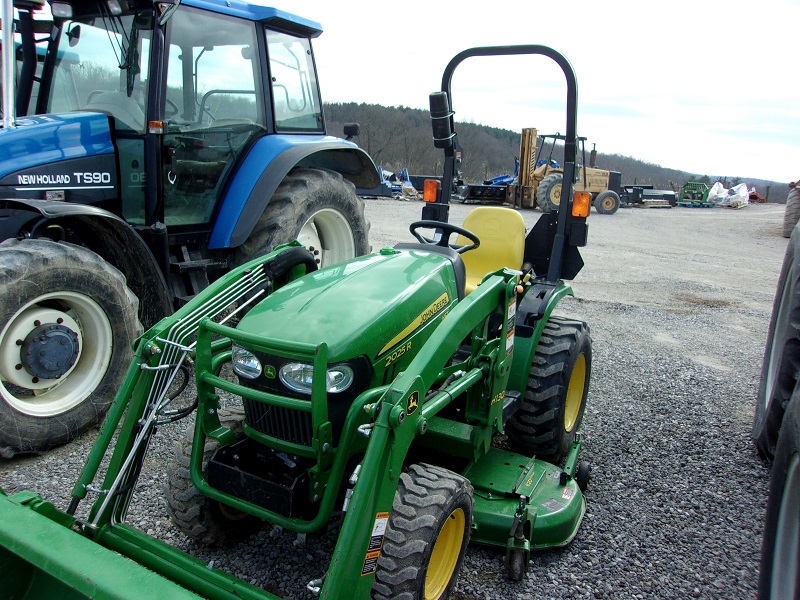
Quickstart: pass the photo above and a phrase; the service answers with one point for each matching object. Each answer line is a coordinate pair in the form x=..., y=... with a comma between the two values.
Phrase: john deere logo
x=412, y=403
x=269, y=372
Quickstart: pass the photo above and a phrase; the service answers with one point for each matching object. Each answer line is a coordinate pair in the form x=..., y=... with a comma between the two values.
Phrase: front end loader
x=425, y=395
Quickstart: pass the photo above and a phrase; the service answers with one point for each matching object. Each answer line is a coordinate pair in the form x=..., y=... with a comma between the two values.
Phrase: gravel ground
x=678, y=302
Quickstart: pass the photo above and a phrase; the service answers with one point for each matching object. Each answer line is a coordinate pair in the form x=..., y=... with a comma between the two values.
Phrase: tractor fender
x=532, y=314
x=253, y=185
x=110, y=237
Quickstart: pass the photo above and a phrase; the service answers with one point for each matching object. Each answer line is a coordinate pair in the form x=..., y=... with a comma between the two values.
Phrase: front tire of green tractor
x=548, y=193
x=607, y=203
x=426, y=537
x=200, y=518
x=555, y=399
x=320, y=209
x=67, y=324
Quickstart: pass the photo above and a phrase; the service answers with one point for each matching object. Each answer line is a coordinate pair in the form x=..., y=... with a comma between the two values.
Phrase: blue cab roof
x=264, y=14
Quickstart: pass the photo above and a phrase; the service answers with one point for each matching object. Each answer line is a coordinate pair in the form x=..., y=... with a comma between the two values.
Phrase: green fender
x=524, y=344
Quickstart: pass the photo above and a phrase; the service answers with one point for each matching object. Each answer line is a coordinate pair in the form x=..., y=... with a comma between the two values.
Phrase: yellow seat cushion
x=502, y=235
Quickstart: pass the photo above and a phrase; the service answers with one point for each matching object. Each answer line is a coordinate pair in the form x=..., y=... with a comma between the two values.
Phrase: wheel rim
x=445, y=555
x=577, y=383
x=784, y=578
x=232, y=514
x=555, y=195
x=608, y=203
x=327, y=235
x=52, y=389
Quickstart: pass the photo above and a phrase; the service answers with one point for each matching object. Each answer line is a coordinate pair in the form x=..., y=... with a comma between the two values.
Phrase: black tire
x=548, y=193
x=779, y=575
x=318, y=207
x=555, y=399
x=427, y=535
x=200, y=518
x=781, y=362
x=582, y=475
x=516, y=564
x=791, y=213
x=68, y=303
x=607, y=203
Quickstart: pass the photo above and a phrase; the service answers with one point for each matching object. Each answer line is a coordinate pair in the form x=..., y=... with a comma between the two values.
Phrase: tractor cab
x=185, y=92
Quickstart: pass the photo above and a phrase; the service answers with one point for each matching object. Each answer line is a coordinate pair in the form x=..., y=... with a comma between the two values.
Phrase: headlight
x=245, y=364
x=298, y=377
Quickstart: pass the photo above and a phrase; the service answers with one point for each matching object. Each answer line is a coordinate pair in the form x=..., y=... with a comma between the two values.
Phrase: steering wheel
x=447, y=230
x=171, y=109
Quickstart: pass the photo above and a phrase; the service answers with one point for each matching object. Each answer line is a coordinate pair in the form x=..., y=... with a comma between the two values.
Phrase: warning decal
x=512, y=312
x=370, y=563
x=375, y=543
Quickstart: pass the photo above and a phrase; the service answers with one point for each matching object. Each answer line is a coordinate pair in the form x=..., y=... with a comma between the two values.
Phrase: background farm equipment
x=133, y=173
x=694, y=195
x=538, y=179
x=646, y=196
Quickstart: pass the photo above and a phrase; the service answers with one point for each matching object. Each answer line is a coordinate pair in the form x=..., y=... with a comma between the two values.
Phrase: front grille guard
x=209, y=363
x=326, y=475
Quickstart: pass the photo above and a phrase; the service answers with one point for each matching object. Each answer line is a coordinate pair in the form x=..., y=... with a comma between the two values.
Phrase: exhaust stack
x=9, y=68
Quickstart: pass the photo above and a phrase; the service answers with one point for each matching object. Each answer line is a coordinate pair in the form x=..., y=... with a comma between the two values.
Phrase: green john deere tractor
x=377, y=389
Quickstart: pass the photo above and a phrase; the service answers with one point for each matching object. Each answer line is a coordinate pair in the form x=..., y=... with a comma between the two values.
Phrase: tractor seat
x=455, y=259
x=502, y=235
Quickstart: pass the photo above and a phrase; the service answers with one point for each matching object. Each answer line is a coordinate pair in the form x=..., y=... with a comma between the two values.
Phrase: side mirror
x=74, y=35
x=440, y=120
x=351, y=130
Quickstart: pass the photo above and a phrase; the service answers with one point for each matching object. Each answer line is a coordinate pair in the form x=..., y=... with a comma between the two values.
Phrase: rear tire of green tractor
x=200, y=518
x=548, y=194
x=555, y=399
x=607, y=203
x=67, y=324
x=320, y=209
x=426, y=537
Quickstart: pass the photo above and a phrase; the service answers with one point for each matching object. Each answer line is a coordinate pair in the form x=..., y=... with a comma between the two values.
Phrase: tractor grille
x=282, y=423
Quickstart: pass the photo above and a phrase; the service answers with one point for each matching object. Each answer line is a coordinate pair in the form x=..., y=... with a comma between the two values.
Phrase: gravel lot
x=678, y=302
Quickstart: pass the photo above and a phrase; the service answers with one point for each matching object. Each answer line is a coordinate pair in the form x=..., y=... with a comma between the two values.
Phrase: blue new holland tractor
x=147, y=148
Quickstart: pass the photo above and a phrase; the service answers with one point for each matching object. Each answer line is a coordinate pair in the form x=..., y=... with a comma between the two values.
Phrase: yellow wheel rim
x=232, y=514
x=577, y=383
x=555, y=195
x=445, y=555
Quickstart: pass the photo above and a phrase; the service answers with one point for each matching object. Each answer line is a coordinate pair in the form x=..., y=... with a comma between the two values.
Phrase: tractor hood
x=45, y=140
x=366, y=306
x=69, y=156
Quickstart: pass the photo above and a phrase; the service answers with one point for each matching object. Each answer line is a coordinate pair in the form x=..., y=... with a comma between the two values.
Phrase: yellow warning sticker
x=371, y=563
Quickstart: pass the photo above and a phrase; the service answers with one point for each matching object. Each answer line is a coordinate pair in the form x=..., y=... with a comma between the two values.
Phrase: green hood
x=365, y=306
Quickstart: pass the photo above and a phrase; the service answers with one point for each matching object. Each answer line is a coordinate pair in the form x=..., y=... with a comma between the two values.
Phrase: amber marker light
x=430, y=190
x=581, y=203
x=155, y=126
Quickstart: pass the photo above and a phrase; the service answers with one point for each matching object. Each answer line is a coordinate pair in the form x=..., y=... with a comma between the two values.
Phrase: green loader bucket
x=41, y=558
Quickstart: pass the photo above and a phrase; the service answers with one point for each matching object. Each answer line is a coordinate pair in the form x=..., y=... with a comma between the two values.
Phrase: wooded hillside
x=398, y=137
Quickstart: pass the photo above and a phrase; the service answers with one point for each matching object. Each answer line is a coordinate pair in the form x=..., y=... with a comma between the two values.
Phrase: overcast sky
x=704, y=86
